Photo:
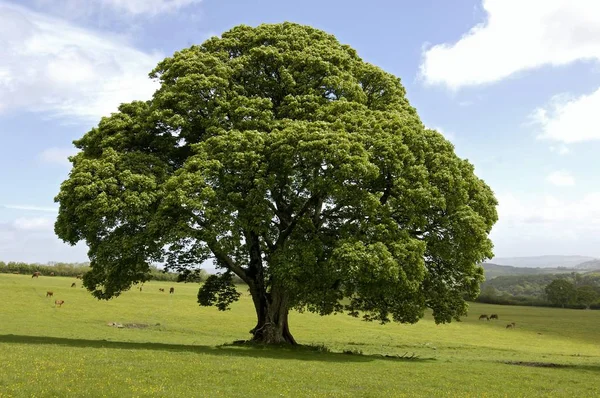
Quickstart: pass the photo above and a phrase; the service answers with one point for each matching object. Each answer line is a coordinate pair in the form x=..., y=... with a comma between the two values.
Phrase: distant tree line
x=74, y=269
x=574, y=290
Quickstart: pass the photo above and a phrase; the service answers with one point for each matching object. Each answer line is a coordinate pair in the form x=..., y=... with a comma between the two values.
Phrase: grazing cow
x=49, y=293
x=80, y=276
x=514, y=324
x=494, y=316
x=509, y=326
x=59, y=303
x=73, y=284
x=161, y=289
x=172, y=290
x=36, y=275
x=484, y=316
x=51, y=273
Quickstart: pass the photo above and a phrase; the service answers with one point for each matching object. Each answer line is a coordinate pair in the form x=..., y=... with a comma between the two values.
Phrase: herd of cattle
x=59, y=303
x=496, y=317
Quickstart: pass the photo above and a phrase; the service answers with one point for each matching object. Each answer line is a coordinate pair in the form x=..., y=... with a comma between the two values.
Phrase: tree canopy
x=293, y=164
x=561, y=292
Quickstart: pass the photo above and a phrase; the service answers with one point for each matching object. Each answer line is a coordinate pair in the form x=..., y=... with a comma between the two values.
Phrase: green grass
x=70, y=351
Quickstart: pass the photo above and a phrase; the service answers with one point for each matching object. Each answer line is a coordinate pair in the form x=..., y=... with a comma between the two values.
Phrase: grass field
x=183, y=351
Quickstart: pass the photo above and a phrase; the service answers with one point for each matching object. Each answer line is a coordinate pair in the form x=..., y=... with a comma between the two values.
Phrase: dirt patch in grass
x=136, y=325
x=130, y=325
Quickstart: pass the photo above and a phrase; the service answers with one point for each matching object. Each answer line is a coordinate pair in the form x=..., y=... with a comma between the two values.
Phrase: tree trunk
x=272, y=325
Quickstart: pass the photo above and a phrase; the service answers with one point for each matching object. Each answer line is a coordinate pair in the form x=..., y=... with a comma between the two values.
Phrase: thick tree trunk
x=272, y=325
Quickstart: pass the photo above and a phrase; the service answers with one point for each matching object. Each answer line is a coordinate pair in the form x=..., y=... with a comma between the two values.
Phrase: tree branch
x=229, y=263
x=290, y=228
x=388, y=189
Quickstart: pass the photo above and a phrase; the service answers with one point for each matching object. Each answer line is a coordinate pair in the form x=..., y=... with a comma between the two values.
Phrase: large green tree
x=293, y=164
x=586, y=295
x=561, y=292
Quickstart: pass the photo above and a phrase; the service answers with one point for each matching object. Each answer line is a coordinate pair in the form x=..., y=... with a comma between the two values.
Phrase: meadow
x=172, y=347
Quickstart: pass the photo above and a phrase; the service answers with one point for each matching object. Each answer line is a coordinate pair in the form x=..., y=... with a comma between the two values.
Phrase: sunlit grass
x=71, y=351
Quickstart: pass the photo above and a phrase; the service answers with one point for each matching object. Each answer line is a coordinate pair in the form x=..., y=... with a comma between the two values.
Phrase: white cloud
x=560, y=149
x=33, y=224
x=58, y=155
x=570, y=120
x=550, y=210
x=30, y=208
x=561, y=179
x=537, y=225
x=33, y=240
x=152, y=7
x=517, y=35
x=51, y=66
x=124, y=8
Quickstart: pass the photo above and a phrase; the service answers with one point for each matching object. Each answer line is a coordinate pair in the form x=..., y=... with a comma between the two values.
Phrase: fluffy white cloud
x=57, y=155
x=570, y=120
x=547, y=225
x=33, y=240
x=560, y=149
x=561, y=178
x=152, y=7
x=123, y=8
x=51, y=66
x=33, y=224
x=517, y=35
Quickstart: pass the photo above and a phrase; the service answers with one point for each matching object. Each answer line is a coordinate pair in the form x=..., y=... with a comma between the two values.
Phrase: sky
x=514, y=85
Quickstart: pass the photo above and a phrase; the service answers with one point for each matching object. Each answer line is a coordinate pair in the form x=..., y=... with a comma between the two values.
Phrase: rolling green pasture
x=178, y=349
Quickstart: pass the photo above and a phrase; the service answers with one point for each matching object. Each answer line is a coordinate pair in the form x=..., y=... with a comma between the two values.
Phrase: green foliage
x=530, y=289
x=282, y=155
x=72, y=270
x=218, y=290
x=59, y=269
x=192, y=276
x=561, y=292
x=586, y=295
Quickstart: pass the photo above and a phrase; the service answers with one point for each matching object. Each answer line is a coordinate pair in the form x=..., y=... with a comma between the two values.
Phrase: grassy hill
x=172, y=347
x=592, y=265
x=494, y=270
x=542, y=261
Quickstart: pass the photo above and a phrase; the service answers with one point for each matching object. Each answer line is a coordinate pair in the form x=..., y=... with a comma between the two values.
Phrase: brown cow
x=494, y=316
x=161, y=289
x=80, y=276
x=59, y=303
x=36, y=275
x=73, y=284
x=172, y=290
x=484, y=316
x=49, y=293
x=51, y=273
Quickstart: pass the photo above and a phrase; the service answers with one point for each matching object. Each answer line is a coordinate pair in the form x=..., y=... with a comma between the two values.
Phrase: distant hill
x=591, y=265
x=493, y=270
x=542, y=261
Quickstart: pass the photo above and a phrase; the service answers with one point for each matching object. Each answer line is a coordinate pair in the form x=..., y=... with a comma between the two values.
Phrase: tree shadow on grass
x=303, y=353
x=552, y=365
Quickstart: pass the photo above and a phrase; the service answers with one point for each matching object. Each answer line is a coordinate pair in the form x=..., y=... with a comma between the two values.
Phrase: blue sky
x=515, y=85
